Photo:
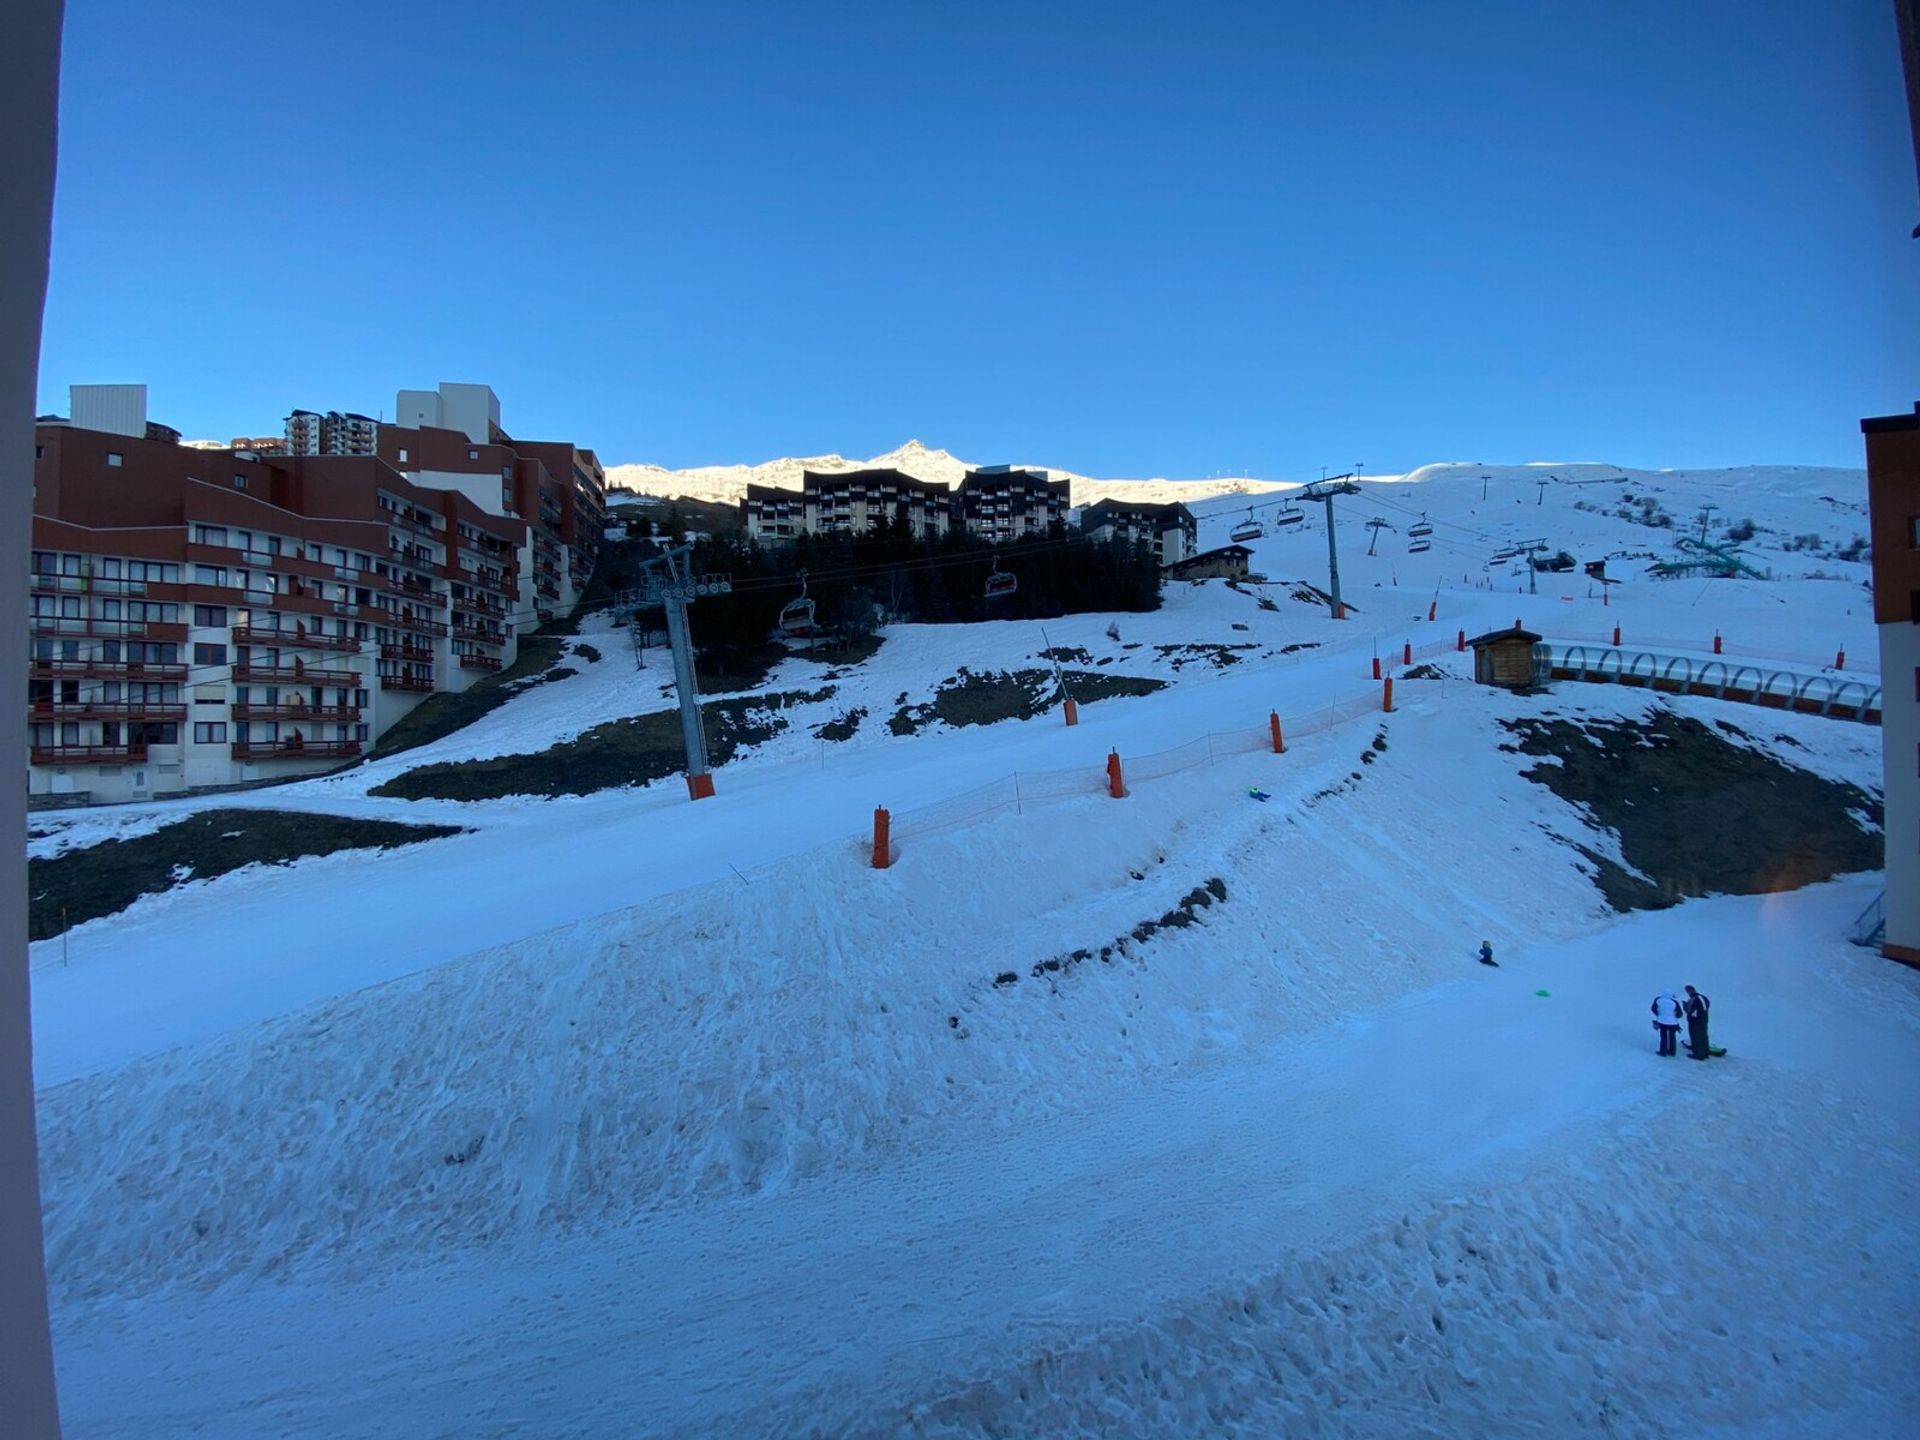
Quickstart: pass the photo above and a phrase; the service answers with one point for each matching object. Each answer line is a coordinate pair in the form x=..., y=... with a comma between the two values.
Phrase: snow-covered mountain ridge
x=727, y=484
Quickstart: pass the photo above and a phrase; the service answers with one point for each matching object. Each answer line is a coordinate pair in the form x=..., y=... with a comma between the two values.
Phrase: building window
x=210, y=534
x=209, y=654
x=212, y=617
x=209, y=732
x=473, y=454
x=360, y=733
x=239, y=482
x=403, y=455
x=115, y=459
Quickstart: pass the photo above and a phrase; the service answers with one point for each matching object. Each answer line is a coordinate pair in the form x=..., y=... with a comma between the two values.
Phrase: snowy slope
x=625, y=1115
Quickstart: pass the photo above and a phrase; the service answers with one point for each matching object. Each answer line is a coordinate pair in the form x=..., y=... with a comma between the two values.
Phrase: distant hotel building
x=210, y=617
x=1893, y=499
x=1170, y=531
x=994, y=502
x=333, y=433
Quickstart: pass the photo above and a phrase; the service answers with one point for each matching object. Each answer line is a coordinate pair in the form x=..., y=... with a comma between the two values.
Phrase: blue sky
x=1172, y=239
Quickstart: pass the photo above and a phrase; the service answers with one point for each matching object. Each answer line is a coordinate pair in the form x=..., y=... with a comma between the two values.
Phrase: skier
x=1486, y=954
x=1666, y=1019
x=1696, y=1012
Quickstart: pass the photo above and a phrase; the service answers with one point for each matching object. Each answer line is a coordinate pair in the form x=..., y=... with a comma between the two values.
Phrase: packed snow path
x=913, y=1300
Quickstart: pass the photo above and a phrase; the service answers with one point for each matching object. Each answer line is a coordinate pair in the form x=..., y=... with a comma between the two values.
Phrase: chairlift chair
x=1000, y=583
x=1289, y=516
x=1418, y=545
x=1500, y=557
x=1421, y=530
x=1248, y=529
x=796, y=616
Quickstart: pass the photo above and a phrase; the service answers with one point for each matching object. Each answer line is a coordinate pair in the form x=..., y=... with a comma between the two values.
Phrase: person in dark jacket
x=1696, y=1008
x=1486, y=954
x=1666, y=1019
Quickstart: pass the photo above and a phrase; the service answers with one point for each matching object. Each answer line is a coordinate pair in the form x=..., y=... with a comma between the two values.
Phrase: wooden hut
x=1504, y=658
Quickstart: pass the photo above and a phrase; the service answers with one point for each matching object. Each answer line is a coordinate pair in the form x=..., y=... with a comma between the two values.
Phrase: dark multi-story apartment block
x=856, y=500
x=996, y=503
x=1001, y=502
x=1169, y=530
x=334, y=433
x=771, y=513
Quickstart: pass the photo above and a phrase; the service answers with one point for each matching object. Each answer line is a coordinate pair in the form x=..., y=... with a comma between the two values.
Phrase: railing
x=1870, y=927
x=417, y=622
x=174, y=710
x=295, y=749
x=120, y=629
x=479, y=662
x=133, y=752
x=415, y=683
x=283, y=711
x=392, y=650
x=104, y=669
x=293, y=639
x=1721, y=679
x=247, y=674
x=481, y=633
x=1730, y=649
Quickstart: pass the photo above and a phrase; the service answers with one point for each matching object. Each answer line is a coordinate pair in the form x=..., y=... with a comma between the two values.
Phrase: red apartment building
x=204, y=618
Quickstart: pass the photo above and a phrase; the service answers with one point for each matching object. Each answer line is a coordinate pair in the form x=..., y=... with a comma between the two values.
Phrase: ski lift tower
x=668, y=581
x=1326, y=488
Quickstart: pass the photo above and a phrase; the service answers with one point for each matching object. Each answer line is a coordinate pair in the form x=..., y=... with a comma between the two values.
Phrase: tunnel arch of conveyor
x=1801, y=691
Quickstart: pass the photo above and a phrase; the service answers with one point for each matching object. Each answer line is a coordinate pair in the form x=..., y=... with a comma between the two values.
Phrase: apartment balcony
x=414, y=527
x=486, y=635
x=420, y=654
x=73, y=626
x=292, y=639
x=173, y=710
x=133, y=752
x=104, y=670
x=479, y=662
x=416, y=622
x=548, y=588
x=249, y=674
x=296, y=712
x=295, y=749
x=418, y=684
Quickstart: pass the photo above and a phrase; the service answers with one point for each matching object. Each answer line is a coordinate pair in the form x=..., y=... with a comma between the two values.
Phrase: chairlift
x=1500, y=557
x=796, y=616
x=1248, y=529
x=1417, y=546
x=1421, y=530
x=1000, y=583
x=1289, y=516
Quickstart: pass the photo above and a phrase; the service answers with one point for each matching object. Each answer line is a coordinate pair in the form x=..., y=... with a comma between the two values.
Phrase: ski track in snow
x=680, y=1120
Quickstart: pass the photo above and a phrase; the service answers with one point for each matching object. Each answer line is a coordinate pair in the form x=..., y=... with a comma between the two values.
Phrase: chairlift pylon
x=796, y=616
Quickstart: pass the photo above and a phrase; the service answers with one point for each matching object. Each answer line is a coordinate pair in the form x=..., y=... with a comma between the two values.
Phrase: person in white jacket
x=1666, y=1019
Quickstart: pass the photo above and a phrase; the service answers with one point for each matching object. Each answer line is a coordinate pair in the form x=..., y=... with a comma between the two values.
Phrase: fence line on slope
x=1020, y=789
